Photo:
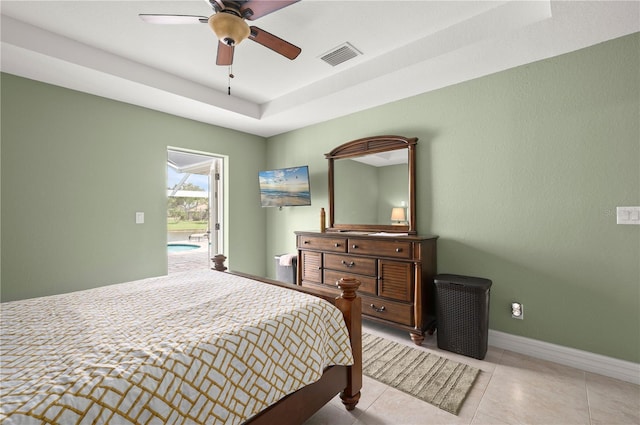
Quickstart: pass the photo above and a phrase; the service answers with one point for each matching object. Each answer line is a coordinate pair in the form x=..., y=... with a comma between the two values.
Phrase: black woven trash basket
x=463, y=314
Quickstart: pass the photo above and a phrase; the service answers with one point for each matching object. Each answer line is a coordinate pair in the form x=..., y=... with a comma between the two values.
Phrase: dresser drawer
x=322, y=244
x=388, y=310
x=384, y=248
x=350, y=264
x=367, y=283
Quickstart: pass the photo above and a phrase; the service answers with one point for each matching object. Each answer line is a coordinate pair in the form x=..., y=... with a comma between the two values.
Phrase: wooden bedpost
x=350, y=305
x=218, y=263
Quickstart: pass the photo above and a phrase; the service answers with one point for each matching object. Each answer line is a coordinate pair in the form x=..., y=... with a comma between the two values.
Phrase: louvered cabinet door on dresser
x=395, y=273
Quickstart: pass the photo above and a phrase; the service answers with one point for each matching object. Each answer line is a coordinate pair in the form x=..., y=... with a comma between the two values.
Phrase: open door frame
x=204, y=163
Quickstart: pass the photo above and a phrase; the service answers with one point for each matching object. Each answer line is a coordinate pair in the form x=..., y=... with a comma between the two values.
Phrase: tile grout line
x=586, y=392
x=484, y=391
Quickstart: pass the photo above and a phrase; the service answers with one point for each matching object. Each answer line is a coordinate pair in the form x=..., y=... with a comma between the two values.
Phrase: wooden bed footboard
x=297, y=407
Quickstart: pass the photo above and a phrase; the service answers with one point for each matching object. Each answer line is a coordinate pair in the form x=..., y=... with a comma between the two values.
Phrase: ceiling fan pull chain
x=229, y=80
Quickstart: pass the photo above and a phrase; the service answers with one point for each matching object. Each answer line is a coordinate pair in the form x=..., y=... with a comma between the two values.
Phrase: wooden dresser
x=396, y=274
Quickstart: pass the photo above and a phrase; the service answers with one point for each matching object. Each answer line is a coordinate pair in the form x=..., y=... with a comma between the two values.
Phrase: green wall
x=75, y=169
x=519, y=173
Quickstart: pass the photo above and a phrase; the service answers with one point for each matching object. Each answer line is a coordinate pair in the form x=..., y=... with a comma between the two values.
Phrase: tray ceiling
x=407, y=48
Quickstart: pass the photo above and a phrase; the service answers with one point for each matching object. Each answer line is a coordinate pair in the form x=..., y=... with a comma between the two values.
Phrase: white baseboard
x=584, y=360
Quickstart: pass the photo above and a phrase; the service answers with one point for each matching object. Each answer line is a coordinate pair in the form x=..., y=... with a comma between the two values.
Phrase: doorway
x=194, y=209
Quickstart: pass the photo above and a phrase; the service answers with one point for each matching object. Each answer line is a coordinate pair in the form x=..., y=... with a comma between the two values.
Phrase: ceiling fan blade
x=274, y=43
x=254, y=9
x=225, y=54
x=217, y=5
x=173, y=19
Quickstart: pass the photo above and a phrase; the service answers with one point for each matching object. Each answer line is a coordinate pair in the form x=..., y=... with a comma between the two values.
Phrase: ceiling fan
x=228, y=23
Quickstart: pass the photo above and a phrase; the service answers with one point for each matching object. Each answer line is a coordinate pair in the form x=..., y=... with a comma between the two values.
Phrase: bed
x=195, y=347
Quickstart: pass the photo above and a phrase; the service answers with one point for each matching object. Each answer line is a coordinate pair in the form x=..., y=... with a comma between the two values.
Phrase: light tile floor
x=511, y=389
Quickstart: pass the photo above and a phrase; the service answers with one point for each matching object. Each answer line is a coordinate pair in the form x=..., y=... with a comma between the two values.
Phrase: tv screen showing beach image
x=285, y=187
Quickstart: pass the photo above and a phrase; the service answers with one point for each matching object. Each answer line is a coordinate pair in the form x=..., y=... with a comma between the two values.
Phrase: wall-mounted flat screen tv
x=285, y=187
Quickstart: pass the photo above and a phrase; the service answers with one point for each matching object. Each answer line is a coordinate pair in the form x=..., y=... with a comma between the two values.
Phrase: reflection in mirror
x=363, y=193
x=380, y=182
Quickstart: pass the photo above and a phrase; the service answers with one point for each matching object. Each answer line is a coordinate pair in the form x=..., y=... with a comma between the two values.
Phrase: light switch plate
x=139, y=218
x=628, y=215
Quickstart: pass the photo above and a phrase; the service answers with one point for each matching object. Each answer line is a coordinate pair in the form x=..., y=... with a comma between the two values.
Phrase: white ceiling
x=409, y=47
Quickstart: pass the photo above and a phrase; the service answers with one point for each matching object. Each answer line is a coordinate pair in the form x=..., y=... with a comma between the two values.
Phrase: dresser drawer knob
x=306, y=242
x=398, y=249
x=354, y=246
x=349, y=264
x=377, y=309
x=337, y=245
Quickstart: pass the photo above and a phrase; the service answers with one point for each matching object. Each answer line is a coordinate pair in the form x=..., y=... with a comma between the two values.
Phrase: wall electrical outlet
x=517, y=311
x=139, y=218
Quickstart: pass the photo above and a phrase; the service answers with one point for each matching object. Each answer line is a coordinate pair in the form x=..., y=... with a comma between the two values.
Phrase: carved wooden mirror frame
x=366, y=146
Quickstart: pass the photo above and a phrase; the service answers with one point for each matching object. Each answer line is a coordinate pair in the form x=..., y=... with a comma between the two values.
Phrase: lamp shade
x=397, y=214
x=230, y=29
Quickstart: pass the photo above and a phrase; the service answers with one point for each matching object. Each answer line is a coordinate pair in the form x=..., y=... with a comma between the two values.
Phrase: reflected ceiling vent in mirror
x=340, y=54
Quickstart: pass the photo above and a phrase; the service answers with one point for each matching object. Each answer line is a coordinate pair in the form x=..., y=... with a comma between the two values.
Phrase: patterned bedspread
x=196, y=347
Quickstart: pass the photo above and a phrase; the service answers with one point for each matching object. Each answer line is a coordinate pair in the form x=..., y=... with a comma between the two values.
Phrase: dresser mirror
x=372, y=185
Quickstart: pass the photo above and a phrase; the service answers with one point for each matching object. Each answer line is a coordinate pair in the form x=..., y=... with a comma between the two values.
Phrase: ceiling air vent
x=340, y=54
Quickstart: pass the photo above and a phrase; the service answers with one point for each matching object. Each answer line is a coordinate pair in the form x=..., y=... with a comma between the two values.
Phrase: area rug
x=427, y=376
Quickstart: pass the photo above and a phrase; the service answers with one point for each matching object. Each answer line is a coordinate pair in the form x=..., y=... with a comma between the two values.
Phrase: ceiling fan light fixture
x=229, y=28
